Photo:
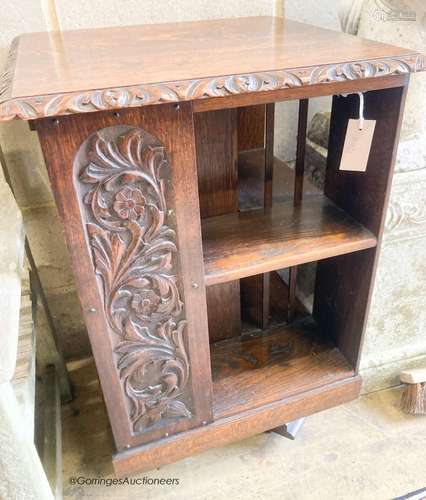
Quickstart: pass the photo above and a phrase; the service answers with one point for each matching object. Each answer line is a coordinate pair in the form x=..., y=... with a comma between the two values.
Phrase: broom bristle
x=413, y=399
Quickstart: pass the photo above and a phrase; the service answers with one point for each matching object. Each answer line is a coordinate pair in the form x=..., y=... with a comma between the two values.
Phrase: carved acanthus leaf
x=140, y=95
x=123, y=183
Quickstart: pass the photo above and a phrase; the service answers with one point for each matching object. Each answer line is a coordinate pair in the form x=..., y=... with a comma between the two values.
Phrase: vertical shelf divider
x=216, y=144
x=300, y=151
x=298, y=195
x=267, y=201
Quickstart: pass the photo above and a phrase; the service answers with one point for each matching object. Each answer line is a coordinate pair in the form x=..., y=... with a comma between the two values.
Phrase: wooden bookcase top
x=78, y=71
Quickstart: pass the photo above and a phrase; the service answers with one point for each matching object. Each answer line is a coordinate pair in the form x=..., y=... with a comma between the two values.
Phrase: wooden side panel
x=298, y=195
x=251, y=127
x=224, y=310
x=344, y=284
x=300, y=151
x=126, y=188
x=269, y=154
x=216, y=146
x=256, y=131
x=216, y=143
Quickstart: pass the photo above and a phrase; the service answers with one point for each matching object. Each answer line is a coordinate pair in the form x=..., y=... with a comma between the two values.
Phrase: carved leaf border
x=123, y=184
x=29, y=108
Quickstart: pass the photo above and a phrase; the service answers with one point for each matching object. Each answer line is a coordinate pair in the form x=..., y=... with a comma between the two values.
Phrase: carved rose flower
x=145, y=303
x=129, y=203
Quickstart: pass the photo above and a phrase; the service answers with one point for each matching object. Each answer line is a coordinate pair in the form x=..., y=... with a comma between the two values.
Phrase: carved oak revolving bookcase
x=159, y=146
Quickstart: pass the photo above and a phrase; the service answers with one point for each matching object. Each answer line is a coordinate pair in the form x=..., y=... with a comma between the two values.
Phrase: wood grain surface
x=251, y=127
x=237, y=427
x=256, y=241
x=363, y=195
x=88, y=70
x=252, y=371
x=251, y=177
x=216, y=152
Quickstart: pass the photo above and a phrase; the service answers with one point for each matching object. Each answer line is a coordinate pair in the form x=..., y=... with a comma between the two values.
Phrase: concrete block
x=21, y=473
x=47, y=242
x=323, y=14
x=395, y=336
x=25, y=165
x=23, y=381
x=379, y=21
x=11, y=261
x=68, y=320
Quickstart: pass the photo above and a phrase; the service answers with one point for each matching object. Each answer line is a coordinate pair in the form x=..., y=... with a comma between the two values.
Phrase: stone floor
x=366, y=449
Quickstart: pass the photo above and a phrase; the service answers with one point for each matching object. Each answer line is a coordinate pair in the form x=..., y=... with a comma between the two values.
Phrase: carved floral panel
x=121, y=174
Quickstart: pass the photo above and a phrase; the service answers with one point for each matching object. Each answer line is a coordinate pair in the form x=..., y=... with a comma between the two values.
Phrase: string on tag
x=361, y=111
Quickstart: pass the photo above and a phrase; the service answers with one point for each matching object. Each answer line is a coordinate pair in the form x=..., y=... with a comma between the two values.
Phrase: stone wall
x=11, y=269
x=21, y=473
x=396, y=330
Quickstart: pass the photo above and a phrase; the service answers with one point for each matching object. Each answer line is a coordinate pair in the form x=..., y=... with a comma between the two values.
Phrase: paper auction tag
x=356, y=149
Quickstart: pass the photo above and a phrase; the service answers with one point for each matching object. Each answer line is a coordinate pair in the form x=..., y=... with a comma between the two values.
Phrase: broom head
x=413, y=399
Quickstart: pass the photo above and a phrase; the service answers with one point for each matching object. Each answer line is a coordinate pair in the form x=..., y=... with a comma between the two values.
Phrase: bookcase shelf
x=273, y=365
x=242, y=244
